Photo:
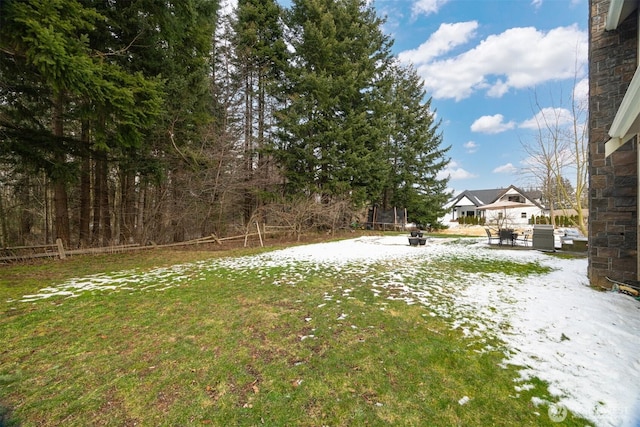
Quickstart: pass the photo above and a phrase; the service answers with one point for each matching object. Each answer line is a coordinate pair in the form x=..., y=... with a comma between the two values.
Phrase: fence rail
x=57, y=250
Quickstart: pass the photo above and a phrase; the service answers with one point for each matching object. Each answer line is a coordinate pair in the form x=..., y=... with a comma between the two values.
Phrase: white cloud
x=460, y=173
x=427, y=7
x=548, y=117
x=491, y=124
x=581, y=92
x=471, y=147
x=454, y=171
x=515, y=59
x=508, y=168
x=536, y=3
x=446, y=37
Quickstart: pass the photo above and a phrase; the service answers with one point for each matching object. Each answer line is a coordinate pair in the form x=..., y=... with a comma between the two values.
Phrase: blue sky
x=489, y=67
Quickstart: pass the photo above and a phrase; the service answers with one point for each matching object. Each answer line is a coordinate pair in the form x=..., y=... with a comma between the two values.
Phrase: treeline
x=160, y=121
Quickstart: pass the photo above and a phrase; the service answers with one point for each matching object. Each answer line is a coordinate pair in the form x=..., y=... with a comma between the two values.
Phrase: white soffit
x=619, y=10
x=464, y=202
x=626, y=123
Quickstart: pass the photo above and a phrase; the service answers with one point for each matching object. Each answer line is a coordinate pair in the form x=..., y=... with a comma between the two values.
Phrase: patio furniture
x=492, y=236
x=543, y=237
x=416, y=238
x=507, y=235
x=524, y=239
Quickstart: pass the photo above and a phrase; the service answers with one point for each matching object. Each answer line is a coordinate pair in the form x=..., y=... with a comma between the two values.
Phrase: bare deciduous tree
x=558, y=151
x=303, y=214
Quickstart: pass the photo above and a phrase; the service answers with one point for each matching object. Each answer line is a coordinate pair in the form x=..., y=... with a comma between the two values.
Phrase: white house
x=510, y=207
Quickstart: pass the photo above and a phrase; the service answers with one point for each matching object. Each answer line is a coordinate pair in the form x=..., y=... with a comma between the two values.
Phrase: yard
x=365, y=331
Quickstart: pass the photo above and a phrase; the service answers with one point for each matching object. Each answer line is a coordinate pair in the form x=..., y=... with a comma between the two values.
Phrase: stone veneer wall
x=613, y=184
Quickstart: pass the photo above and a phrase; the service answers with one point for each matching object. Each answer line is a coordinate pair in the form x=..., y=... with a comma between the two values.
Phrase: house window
x=523, y=215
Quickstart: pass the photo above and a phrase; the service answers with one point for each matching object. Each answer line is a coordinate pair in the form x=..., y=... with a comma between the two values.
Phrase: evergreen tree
x=172, y=42
x=413, y=149
x=330, y=145
x=260, y=59
x=46, y=43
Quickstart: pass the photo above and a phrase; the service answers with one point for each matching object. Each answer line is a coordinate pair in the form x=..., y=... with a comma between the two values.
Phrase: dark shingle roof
x=479, y=197
x=484, y=197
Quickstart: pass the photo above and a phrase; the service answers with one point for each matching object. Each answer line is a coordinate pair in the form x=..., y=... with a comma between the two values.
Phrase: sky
x=582, y=342
x=491, y=66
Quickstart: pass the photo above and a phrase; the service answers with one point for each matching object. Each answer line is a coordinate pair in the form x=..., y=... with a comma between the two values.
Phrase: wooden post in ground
x=61, y=253
x=395, y=218
x=259, y=235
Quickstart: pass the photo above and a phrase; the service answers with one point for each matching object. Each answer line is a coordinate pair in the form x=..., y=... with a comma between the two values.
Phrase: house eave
x=619, y=10
x=626, y=123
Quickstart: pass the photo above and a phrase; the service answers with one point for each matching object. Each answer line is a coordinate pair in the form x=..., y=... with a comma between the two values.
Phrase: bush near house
x=471, y=220
x=560, y=221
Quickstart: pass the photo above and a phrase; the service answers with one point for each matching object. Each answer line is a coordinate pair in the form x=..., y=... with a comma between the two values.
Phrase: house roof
x=619, y=10
x=477, y=197
x=484, y=197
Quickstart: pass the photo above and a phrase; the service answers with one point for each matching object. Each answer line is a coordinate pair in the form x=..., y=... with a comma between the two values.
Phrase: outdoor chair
x=524, y=240
x=491, y=236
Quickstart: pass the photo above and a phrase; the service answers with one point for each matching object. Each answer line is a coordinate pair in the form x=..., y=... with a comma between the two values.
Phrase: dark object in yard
x=492, y=236
x=507, y=235
x=413, y=241
x=414, y=234
x=422, y=241
x=543, y=238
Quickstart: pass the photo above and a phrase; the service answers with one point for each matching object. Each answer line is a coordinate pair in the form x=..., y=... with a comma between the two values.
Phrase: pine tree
x=45, y=44
x=260, y=57
x=330, y=145
x=171, y=41
x=413, y=149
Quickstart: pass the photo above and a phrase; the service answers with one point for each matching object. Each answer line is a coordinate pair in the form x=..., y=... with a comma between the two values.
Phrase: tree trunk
x=127, y=207
x=104, y=204
x=97, y=189
x=60, y=197
x=3, y=224
x=26, y=198
x=248, y=149
x=47, y=210
x=85, y=190
x=101, y=214
x=140, y=235
x=61, y=212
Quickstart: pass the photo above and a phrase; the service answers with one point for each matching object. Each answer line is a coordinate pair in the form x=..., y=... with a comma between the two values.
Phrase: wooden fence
x=57, y=250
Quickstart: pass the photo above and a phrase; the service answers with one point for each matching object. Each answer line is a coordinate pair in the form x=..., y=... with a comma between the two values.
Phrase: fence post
x=61, y=253
x=259, y=235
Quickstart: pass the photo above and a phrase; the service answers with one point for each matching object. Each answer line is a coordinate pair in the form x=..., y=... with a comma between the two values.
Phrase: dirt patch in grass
x=465, y=230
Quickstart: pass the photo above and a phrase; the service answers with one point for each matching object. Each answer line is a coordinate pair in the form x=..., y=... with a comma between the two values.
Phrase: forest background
x=150, y=121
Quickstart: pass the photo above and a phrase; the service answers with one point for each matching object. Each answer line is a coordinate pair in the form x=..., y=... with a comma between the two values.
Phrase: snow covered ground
x=584, y=343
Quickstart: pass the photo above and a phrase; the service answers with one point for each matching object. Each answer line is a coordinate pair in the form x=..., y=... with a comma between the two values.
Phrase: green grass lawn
x=294, y=345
